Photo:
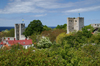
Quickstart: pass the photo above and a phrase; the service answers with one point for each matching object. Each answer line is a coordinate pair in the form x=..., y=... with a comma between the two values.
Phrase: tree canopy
x=35, y=26
x=87, y=30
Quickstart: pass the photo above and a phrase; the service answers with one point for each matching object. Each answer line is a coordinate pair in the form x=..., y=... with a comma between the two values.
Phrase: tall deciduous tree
x=35, y=26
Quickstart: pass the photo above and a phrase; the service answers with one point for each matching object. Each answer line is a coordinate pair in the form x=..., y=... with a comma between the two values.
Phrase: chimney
x=8, y=38
x=14, y=39
x=25, y=38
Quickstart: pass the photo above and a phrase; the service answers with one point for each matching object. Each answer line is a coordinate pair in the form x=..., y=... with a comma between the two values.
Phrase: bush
x=29, y=58
x=44, y=43
x=95, y=39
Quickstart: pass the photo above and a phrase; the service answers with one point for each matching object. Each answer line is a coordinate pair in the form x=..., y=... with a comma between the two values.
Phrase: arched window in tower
x=75, y=20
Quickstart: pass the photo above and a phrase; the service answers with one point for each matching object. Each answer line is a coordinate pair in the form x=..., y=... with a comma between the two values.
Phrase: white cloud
x=52, y=4
x=83, y=9
x=33, y=6
x=21, y=7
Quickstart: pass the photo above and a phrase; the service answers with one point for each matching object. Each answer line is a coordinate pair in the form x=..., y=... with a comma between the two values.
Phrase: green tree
x=35, y=26
x=87, y=31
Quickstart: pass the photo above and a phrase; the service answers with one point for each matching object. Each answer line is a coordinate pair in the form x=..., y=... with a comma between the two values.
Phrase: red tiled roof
x=22, y=42
x=8, y=47
x=1, y=42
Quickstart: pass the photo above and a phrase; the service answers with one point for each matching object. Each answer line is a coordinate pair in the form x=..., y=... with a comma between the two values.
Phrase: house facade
x=25, y=43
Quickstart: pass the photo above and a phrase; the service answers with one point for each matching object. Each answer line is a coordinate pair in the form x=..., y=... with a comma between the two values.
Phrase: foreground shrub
x=95, y=39
x=88, y=55
x=87, y=31
x=44, y=43
x=29, y=58
x=60, y=37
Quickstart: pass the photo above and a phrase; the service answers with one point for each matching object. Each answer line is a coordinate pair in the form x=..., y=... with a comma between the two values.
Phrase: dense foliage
x=60, y=37
x=87, y=30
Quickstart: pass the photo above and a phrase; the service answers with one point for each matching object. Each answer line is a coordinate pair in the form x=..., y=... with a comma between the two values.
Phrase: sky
x=49, y=12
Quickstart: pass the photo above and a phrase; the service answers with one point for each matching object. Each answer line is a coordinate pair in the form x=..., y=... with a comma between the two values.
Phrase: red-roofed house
x=18, y=39
x=24, y=43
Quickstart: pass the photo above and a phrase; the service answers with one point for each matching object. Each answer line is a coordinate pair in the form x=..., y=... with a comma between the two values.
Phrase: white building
x=19, y=29
x=75, y=24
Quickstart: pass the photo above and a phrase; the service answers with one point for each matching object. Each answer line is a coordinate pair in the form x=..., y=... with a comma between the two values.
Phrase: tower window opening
x=70, y=20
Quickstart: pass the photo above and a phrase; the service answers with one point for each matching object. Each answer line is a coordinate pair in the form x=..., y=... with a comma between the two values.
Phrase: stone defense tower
x=74, y=24
x=19, y=29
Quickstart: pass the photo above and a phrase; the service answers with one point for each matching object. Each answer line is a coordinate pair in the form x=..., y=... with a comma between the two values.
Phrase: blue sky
x=50, y=12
